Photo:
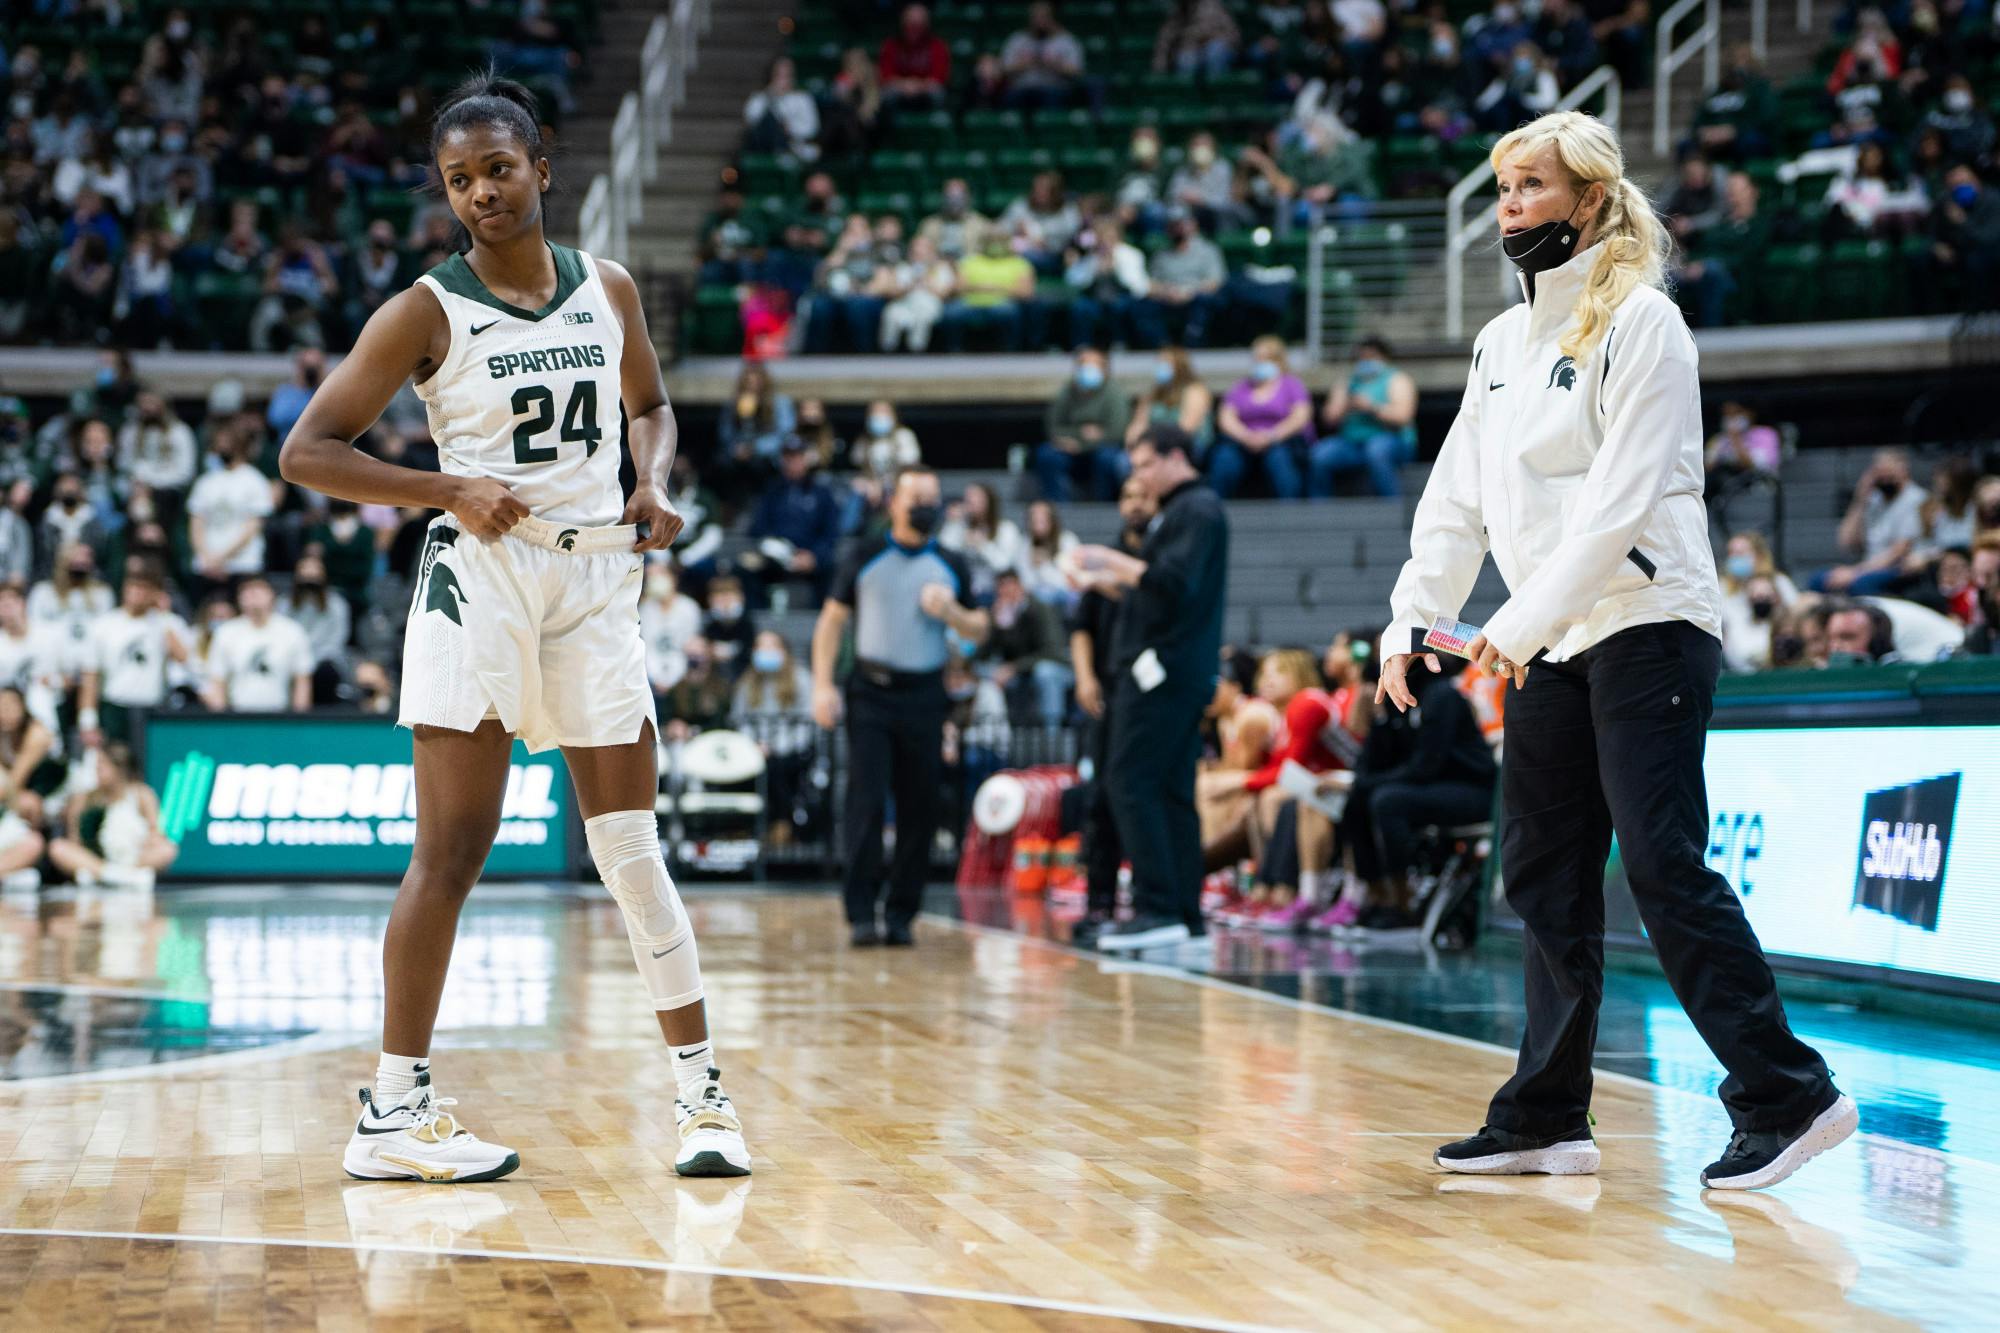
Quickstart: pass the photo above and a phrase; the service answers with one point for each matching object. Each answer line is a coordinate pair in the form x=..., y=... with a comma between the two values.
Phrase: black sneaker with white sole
x=1756, y=1160
x=1142, y=932
x=1496, y=1152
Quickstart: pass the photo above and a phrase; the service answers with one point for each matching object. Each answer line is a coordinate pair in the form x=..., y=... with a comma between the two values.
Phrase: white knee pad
x=625, y=844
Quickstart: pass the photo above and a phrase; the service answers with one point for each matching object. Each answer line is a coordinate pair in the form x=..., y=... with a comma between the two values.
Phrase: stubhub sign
x=324, y=797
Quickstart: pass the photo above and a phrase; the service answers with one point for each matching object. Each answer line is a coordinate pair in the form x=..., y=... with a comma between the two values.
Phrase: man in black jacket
x=1163, y=655
x=1428, y=766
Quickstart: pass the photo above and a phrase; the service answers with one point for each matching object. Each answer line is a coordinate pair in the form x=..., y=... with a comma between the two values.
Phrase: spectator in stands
x=30, y=769
x=1174, y=396
x=260, y=662
x=986, y=90
x=1266, y=419
x=794, y=528
x=1044, y=62
x=1950, y=514
x=727, y=242
x=976, y=528
x=1311, y=734
x=143, y=308
x=1563, y=31
x=1947, y=587
x=1205, y=185
x=1875, y=55
x=1965, y=240
x=17, y=537
x=1521, y=89
x=375, y=270
x=926, y=283
x=840, y=305
x=1695, y=203
x=729, y=627
x=1108, y=277
x=104, y=487
x=1136, y=197
x=783, y=118
x=84, y=287
x=1858, y=633
x=1983, y=639
x=1624, y=31
x=125, y=657
x=1084, y=425
x=1187, y=281
x=157, y=448
x=995, y=288
x=288, y=400
x=1967, y=129
x=327, y=620
x=69, y=601
x=1373, y=420
x=700, y=699
x=1026, y=654
x=886, y=446
x=669, y=620
x=769, y=705
x=69, y=521
x=1875, y=199
x=1049, y=219
x=915, y=64
x=300, y=289
x=1882, y=525
x=851, y=106
x=758, y=420
x=1048, y=541
x=1740, y=454
x=956, y=229
x=1734, y=244
x=1197, y=37
x=807, y=235
x=1245, y=727
x=113, y=835
x=226, y=514
x=1326, y=164
x=20, y=278
x=1738, y=121
x=1754, y=592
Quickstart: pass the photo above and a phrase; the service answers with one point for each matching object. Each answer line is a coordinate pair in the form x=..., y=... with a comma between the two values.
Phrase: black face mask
x=924, y=518
x=1762, y=610
x=1539, y=249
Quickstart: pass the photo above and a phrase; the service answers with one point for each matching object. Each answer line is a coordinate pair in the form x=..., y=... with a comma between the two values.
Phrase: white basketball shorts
x=539, y=628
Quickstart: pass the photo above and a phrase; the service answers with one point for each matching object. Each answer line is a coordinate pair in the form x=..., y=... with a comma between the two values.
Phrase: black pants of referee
x=895, y=740
x=1608, y=741
x=1155, y=744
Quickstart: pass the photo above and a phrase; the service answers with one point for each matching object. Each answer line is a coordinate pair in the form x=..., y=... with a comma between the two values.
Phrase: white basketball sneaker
x=711, y=1135
x=417, y=1139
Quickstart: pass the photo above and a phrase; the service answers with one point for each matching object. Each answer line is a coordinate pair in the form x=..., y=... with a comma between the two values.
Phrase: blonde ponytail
x=1632, y=247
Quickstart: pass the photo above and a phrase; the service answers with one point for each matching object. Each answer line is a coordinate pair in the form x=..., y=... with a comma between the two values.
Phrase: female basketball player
x=525, y=619
x=1576, y=459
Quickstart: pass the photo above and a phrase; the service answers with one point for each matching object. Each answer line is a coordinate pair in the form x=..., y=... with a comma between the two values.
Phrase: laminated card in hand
x=1452, y=636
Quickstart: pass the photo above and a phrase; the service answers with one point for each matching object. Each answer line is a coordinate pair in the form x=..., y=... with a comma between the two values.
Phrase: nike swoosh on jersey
x=478, y=329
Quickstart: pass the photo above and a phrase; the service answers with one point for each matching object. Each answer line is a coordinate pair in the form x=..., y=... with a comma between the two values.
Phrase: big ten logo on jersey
x=578, y=317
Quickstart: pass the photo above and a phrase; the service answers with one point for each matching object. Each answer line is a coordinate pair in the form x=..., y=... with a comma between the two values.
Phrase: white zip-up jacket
x=1583, y=479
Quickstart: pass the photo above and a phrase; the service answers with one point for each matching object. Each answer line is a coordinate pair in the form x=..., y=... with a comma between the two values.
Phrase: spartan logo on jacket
x=1562, y=374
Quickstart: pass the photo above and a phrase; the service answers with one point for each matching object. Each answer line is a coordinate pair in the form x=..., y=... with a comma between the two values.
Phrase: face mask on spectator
x=1741, y=566
x=1369, y=366
x=1202, y=156
x=880, y=423
x=173, y=143
x=1505, y=14
x=177, y=31
x=767, y=660
x=1736, y=424
x=140, y=511
x=1263, y=371
x=22, y=105
x=955, y=202
x=660, y=586
x=1145, y=152
x=727, y=612
x=1523, y=66
x=1762, y=607
x=1163, y=372
x=1965, y=196
x=1441, y=47
x=106, y=377
x=1958, y=101
x=1089, y=376
x=961, y=690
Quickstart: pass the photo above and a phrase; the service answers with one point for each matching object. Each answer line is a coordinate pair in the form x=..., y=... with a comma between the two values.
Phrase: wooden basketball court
x=987, y=1132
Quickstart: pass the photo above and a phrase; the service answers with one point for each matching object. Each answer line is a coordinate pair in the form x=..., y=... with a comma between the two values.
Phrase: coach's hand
x=487, y=508
x=656, y=512
x=826, y=706
x=1488, y=658
x=1394, y=685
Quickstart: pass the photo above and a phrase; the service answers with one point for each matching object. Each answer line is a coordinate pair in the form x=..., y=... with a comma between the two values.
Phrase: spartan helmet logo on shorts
x=1563, y=373
x=566, y=539
x=444, y=593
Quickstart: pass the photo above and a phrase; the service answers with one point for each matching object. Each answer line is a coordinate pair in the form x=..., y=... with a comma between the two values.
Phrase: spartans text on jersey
x=544, y=360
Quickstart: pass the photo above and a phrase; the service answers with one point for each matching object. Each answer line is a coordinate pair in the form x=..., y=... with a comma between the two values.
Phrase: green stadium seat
x=1788, y=289
x=875, y=203
x=760, y=173
x=1088, y=170
x=1091, y=18
x=1864, y=280
x=925, y=131
x=1016, y=168
x=898, y=170
x=224, y=302
x=1134, y=47
x=714, y=322
x=1065, y=129
x=992, y=130
x=974, y=165
x=1233, y=86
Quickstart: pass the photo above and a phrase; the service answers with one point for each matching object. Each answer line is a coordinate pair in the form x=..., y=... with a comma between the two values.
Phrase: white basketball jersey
x=530, y=397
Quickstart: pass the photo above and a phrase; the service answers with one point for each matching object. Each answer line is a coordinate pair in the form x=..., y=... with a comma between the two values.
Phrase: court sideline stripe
x=1168, y=970
x=310, y=1044
x=675, y=1266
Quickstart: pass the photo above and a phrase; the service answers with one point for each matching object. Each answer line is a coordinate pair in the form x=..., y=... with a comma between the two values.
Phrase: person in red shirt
x=915, y=63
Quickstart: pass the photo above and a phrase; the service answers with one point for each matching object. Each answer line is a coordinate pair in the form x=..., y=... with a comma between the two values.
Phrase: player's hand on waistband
x=655, y=513
x=486, y=508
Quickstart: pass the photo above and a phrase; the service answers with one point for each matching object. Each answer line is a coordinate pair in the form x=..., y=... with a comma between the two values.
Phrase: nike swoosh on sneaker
x=478, y=329
x=393, y=1129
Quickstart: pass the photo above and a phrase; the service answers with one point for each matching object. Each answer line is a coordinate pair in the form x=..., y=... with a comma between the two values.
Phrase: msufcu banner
x=325, y=797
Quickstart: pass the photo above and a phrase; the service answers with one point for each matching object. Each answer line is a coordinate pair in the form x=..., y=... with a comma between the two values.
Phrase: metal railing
x=1375, y=271
x=615, y=200
x=1705, y=41
x=1460, y=231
